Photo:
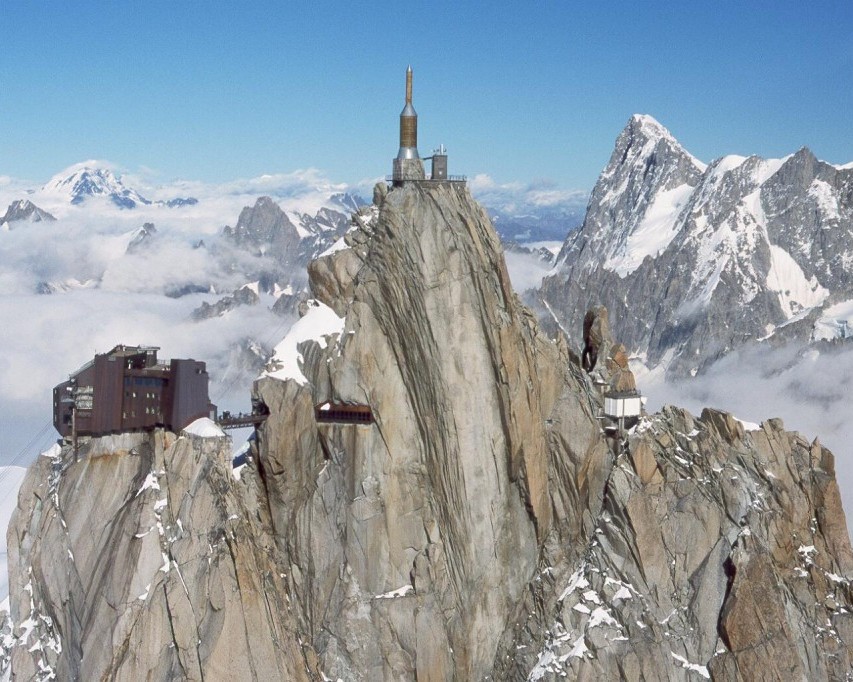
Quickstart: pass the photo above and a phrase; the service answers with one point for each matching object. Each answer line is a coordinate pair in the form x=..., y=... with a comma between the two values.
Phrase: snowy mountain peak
x=649, y=176
x=24, y=209
x=89, y=179
x=648, y=133
x=715, y=256
x=650, y=127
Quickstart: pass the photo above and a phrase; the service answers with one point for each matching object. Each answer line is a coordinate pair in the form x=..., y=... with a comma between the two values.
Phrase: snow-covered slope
x=647, y=182
x=89, y=179
x=694, y=260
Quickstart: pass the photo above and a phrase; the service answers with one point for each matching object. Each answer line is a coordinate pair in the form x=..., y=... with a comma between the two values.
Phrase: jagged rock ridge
x=24, y=210
x=483, y=525
x=265, y=229
x=142, y=238
x=695, y=260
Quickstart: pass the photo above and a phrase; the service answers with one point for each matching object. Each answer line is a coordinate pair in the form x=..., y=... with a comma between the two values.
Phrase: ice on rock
x=319, y=323
x=204, y=428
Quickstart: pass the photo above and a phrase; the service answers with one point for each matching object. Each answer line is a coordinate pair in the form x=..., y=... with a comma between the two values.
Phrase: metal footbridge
x=241, y=420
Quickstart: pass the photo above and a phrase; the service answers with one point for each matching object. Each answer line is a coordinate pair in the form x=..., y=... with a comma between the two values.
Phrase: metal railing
x=243, y=419
x=449, y=178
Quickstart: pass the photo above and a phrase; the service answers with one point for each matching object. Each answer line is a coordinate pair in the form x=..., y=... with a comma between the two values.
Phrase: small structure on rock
x=127, y=389
x=621, y=405
x=345, y=413
x=408, y=165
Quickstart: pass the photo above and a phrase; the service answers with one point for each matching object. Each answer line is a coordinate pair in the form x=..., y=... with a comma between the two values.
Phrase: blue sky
x=523, y=91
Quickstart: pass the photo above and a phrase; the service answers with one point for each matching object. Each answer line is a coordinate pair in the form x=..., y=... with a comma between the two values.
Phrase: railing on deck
x=241, y=420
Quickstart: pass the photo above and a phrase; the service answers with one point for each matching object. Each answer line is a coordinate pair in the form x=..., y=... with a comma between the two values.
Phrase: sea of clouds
x=105, y=296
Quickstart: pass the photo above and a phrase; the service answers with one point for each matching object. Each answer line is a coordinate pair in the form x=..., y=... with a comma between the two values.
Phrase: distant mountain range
x=693, y=260
x=521, y=213
x=268, y=245
x=86, y=180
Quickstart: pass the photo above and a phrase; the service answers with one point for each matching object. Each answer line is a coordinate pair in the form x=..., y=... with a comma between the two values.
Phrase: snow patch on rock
x=319, y=323
x=835, y=322
x=204, y=428
x=654, y=233
x=339, y=245
x=788, y=280
x=826, y=199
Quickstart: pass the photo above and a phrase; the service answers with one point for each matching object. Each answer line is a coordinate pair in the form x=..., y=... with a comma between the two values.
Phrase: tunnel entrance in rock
x=343, y=413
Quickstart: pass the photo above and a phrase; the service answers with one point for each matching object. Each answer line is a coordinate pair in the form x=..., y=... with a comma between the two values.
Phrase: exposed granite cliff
x=445, y=499
x=146, y=560
x=482, y=526
x=486, y=484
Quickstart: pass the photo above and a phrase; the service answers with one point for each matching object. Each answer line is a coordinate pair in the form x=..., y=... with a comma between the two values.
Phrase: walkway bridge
x=241, y=420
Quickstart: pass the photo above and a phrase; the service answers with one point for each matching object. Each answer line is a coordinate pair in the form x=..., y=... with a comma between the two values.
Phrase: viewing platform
x=429, y=181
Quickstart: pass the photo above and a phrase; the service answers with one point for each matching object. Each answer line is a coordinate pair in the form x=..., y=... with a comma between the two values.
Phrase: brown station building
x=128, y=390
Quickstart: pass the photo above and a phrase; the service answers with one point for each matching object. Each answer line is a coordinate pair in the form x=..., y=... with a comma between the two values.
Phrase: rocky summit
x=693, y=260
x=24, y=210
x=435, y=494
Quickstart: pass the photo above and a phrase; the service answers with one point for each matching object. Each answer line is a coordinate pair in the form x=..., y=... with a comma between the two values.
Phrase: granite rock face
x=413, y=538
x=693, y=261
x=717, y=553
x=146, y=560
x=449, y=539
x=484, y=522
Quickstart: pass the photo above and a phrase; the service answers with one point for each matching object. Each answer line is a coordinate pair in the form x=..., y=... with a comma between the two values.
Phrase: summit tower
x=408, y=164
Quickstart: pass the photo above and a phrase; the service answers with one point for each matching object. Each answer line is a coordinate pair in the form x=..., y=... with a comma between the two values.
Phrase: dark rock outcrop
x=265, y=229
x=245, y=295
x=142, y=238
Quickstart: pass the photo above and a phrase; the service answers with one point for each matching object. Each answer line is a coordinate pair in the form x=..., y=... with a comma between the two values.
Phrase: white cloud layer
x=517, y=197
